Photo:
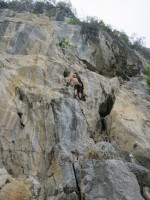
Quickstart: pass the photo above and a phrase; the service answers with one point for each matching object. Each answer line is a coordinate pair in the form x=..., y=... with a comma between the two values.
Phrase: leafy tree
x=39, y=7
x=97, y=23
x=52, y=12
x=90, y=29
x=3, y=4
x=28, y=5
x=124, y=37
x=137, y=42
x=64, y=4
x=91, y=20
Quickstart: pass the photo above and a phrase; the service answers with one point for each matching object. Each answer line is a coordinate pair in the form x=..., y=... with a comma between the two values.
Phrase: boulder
x=109, y=179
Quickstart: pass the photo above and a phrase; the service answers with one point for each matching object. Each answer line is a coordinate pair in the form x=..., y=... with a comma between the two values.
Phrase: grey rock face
x=45, y=132
x=109, y=179
x=142, y=174
x=102, y=52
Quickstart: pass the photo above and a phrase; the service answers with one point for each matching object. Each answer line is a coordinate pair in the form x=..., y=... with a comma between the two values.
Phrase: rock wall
x=103, y=52
x=53, y=146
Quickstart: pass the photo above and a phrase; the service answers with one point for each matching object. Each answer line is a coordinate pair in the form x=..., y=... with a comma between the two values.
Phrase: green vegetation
x=94, y=21
x=64, y=43
x=147, y=70
x=148, y=81
x=124, y=37
x=74, y=21
x=51, y=13
x=27, y=5
x=64, y=4
x=37, y=7
x=90, y=26
x=138, y=43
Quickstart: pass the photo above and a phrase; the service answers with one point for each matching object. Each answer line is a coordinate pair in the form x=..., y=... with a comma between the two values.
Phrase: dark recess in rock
x=106, y=107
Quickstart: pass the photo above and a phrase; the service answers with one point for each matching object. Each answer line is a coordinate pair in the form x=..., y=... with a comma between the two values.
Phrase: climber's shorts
x=78, y=87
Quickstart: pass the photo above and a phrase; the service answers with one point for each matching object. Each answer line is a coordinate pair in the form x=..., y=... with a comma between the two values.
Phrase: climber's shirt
x=74, y=81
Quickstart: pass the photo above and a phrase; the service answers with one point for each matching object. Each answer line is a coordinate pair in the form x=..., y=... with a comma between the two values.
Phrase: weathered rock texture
x=55, y=147
x=108, y=180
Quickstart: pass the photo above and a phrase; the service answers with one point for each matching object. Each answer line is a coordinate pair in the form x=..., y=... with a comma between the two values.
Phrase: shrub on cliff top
x=74, y=21
x=137, y=42
x=124, y=37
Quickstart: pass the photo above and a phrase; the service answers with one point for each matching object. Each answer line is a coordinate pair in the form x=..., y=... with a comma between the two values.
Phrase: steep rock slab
x=130, y=126
x=101, y=51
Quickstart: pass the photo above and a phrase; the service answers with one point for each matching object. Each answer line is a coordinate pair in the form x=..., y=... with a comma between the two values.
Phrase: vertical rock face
x=103, y=52
x=53, y=146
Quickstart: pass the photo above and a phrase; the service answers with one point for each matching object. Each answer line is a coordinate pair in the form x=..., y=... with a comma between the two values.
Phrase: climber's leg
x=79, y=92
x=75, y=91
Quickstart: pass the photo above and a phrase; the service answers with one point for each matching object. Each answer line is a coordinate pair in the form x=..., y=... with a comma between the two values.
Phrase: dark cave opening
x=106, y=107
x=66, y=73
x=20, y=114
x=101, y=131
x=104, y=110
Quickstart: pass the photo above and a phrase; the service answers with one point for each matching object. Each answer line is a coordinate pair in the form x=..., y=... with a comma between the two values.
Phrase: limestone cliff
x=55, y=147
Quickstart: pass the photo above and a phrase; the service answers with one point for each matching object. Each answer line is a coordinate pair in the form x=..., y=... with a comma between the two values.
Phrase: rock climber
x=77, y=86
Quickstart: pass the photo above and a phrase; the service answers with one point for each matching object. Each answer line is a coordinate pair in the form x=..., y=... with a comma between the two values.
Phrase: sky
x=130, y=16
